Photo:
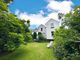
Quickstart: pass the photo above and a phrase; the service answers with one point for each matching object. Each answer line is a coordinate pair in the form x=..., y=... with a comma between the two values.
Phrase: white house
x=51, y=25
x=48, y=28
x=42, y=29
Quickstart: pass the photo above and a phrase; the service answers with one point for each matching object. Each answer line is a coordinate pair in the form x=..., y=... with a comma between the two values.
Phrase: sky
x=40, y=11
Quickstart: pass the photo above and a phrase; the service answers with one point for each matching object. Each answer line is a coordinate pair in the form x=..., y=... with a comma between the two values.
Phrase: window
x=52, y=33
x=41, y=29
x=52, y=25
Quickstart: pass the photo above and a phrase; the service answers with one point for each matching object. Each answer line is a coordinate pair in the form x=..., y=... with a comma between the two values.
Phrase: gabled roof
x=41, y=25
x=51, y=20
x=34, y=30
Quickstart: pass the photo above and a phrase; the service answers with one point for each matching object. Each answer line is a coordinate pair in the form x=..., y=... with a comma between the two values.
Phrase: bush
x=13, y=42
x=9, y=46
x=34, y=35
x=41, y=37
x=11, y=32
x=28, y=37
x=16, y=38
x=64, y=44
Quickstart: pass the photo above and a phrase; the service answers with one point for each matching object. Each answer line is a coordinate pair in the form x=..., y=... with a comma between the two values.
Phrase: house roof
x=51, y=20
x=34, y=30
x=41, y=25
x=46, y=23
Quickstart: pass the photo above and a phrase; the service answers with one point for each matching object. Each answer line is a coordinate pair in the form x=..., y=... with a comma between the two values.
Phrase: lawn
x=31, y=51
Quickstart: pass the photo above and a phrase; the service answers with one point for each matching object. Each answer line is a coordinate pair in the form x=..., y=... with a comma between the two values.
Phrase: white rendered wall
x=49, y=29
x=43, y=30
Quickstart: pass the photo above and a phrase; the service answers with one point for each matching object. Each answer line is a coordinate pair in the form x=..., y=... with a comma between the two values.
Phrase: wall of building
x=42, y=29
x=50, y=28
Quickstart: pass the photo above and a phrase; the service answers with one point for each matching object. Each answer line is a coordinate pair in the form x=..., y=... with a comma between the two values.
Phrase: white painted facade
x=42, y=29
x=48, y=28
x=51, y=25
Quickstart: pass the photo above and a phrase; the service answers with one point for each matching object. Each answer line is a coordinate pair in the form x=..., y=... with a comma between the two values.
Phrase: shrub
x=41, y=37
x=28, y=37
x=11, y=32
x=13, y=42
x=64, y=44
x=65, y=47
x=34, y=35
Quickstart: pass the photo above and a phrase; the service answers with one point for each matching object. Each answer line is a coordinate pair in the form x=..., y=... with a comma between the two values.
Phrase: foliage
x=60, y=15
x=12, y=30
x=65, y=47
x=41, y=37
x=34, y=35
x=28, y=37
x=14, y=41
x=64, y=43
x=7, y=1
x=28, y=33
x=72, y=20
x=4, y=5
x=28, y=23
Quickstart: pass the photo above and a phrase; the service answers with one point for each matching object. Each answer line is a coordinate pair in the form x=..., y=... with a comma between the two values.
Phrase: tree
x=4, y=5
x=7, y=1
x=28, y=37
x=60, y=15
x=41, y=37
x=13, y=31
x=28, y=23
x=72, y=20
x=64, y=38
x=34, y=35
x=28, y=33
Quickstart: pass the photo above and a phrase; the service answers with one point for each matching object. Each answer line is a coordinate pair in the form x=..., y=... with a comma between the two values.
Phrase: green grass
x=31, y=51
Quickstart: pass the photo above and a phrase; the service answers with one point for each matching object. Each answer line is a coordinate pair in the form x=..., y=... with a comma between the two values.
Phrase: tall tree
x=65, y=47
x=12, y=30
